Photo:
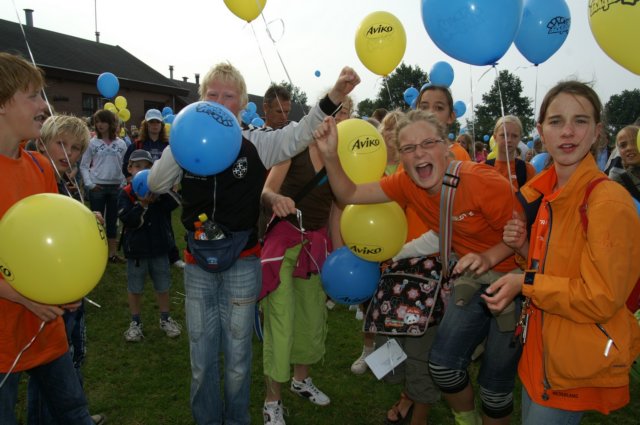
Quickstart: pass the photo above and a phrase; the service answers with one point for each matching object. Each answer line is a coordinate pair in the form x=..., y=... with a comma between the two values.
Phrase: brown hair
x=16, y=74
x=102, y=115
x=143, y=132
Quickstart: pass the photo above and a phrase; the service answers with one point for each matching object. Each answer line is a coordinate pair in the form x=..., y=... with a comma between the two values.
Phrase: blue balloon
x=540, y=161
x=257, y=122
x=251, y=107
x=637, y=205
x=441, y=74
x=317, y=73
x=347, y=278
x=486, y=138
x=410, y=95
x=544, y=28
x=248, y=116
x=108, y=85
x=166, y=111
x=139, y=183
x=530, y=144
x=205, y=138
x=477, y=32
x=459, y=108
x=425, y=85
x=414, y=103
x=168, y=119
x=452, y=136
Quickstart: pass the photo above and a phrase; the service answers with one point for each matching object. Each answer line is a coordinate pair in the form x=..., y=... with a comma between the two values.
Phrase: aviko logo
x=365, y=250
x=364, y=144
x=559, y=25
x=598, y=5
x=380, y=30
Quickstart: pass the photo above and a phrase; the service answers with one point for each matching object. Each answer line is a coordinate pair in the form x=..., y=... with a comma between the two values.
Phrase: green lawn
x=148, y=382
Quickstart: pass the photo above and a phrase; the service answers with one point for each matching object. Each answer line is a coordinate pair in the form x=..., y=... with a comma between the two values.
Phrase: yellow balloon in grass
x=361, y=149
x=121, y=102
x=53, y=249
x=380, y=42
x=616, y=28
x=247, y=10
x=374, y=232
x=124, y=114
x=110, y=107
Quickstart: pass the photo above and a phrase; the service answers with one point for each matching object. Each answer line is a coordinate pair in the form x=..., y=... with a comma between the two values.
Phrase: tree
x=297, y=95
x=390, y=95
x=621, y=110
x=489, y=110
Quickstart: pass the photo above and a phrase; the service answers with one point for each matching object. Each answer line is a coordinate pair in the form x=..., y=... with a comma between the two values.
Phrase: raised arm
x=346, y=191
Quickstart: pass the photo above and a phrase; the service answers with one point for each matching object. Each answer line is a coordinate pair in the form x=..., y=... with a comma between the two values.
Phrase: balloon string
x=25, y=348
x=473, y=120
x=535, y=97
x=385, y=83
x=286, y=71
x=260, y=49
x=504, y=132
x=24, y=35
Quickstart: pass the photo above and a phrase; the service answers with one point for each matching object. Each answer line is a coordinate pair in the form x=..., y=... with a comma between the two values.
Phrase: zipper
x=545, y=380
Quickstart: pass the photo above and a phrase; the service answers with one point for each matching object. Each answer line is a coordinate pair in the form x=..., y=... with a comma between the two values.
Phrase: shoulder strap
x=310, y=185
x=628, y=184
x=36, y=161
x=449, y=185
x=583, y=206
x=521, y=172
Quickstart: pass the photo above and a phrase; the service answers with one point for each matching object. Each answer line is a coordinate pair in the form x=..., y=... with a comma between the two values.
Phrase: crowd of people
x=525, y=251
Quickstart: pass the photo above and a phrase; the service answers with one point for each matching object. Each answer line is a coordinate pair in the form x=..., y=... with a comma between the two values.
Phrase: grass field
x=147, y=383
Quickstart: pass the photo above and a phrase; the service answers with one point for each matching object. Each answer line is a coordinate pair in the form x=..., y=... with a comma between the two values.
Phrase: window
x=90, y=104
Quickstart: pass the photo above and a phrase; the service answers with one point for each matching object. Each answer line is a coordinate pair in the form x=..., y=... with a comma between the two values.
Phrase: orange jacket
x=579, y=293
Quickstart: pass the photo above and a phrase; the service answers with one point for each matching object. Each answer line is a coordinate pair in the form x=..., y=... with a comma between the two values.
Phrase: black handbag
x=220, y=254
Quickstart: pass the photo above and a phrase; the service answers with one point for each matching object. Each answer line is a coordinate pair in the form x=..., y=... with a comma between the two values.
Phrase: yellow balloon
x=246, y=9
x=492, y=144
x=167, y=129
x=374, y=232
x=616, y=28
x=492, y=155
x=361, y=149
x=380, y=42
x=124, y=114
x=110, y=107
x=121, y=102
x=53, y=249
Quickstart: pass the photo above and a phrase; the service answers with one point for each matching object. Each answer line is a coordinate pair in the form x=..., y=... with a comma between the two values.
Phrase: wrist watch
x=529, y=276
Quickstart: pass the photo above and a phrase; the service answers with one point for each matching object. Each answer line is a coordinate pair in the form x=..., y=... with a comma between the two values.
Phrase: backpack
x=633, y=302
x=521, y=170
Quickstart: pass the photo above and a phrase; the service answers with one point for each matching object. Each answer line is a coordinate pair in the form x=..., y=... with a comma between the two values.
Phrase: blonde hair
x=226, y=73
x=631, y=130
x=416, y=116
x=16, y=74
x=67, y=124
x=507, y=119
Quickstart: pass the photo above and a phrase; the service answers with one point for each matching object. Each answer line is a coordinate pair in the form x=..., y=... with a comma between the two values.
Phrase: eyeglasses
x=426, y=144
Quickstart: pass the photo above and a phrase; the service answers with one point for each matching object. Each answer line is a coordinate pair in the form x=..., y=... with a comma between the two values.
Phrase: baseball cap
x=141, y=155
x=153, y=114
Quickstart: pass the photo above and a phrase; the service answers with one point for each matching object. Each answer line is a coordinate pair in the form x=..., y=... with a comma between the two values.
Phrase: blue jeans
x=462, y=329
x=158, y=269
x=533, y=413
x=60, y=387
x=38, y=412
x=105, y=200
x=219, y=310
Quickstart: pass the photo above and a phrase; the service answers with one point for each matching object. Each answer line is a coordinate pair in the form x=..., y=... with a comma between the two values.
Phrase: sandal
x=395, y=409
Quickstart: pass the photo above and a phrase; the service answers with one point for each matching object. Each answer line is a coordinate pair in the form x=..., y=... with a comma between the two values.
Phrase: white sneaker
x=134, y=333
x=171, y=327
x=330, y=304
x=308, y=390
x=360, y=366
x=179, y=264
x=272, y=413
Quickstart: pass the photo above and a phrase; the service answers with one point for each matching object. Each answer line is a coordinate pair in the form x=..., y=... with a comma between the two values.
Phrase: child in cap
x=146, y=240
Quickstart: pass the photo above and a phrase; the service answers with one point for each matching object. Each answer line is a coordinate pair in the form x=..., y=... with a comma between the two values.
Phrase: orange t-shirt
x=22, y=177
x=483, y=204
x=530, y=367
x=459, y=152
x=501, y=167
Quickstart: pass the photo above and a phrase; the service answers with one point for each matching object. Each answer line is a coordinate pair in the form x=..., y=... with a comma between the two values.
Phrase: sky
x=309, y=36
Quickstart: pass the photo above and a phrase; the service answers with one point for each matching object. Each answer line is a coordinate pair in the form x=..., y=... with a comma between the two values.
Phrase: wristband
x=529, y=277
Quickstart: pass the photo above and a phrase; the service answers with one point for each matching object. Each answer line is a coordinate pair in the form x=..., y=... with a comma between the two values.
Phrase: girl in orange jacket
x=579, y=337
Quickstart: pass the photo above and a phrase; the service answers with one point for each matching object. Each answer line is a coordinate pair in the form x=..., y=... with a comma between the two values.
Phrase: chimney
x=198, y=79
x=171, y=71
x=28, y=15
x=185, y=79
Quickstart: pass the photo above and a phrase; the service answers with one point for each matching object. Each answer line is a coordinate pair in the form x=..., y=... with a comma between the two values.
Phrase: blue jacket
x=146, y=233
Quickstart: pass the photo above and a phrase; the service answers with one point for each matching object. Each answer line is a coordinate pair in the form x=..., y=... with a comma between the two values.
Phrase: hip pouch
x=218, y=255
